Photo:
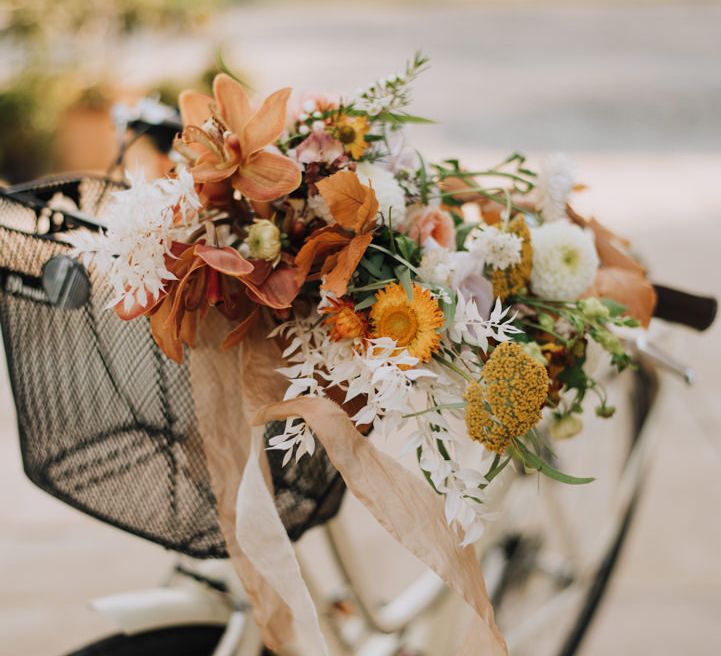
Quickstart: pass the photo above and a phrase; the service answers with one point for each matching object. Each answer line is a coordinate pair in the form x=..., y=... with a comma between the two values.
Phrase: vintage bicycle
x=106, y=425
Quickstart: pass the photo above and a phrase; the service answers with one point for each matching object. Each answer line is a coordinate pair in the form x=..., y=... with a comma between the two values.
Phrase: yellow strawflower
x=351, y=132
x=412, y=322
x=507, y=402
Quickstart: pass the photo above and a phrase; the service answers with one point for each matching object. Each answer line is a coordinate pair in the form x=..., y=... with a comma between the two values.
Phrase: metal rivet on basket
x=65, y=282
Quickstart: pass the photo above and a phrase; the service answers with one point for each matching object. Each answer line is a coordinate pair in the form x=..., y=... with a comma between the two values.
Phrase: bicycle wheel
x=193, y=640
x=561, y=543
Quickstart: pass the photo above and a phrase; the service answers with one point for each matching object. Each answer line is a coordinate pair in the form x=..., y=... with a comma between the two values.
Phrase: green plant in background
x=61, y=50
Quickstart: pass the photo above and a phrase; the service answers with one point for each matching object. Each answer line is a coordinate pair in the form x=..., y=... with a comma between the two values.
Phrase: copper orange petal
x=279, y=289
x=628, y=288
x=210, y=169
x=321, y=243
x=237, y=335
x=194, y=107
x=352, y=204
x=267, y=124
x=165, y=333
x=233, y=102
x=347, y=262
x=188, y=328
x=226, y=260
x=267, y=176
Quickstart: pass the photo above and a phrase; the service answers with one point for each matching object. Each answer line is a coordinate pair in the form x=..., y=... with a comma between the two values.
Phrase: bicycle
x=540, y=568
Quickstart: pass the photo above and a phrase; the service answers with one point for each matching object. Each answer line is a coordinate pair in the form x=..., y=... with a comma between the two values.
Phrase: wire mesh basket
x=105, y=420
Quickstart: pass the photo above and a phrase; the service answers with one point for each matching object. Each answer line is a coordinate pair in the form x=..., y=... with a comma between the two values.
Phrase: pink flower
x=431, y=222
x=319, y=147
x=468, y=280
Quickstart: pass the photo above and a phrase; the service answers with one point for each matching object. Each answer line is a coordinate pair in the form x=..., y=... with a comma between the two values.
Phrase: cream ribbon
x=228, y=391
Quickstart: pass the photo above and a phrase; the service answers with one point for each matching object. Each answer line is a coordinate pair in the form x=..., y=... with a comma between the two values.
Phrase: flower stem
x=453, y=368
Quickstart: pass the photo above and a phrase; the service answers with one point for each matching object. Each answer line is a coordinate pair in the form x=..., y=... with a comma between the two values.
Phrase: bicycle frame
x=215, y=597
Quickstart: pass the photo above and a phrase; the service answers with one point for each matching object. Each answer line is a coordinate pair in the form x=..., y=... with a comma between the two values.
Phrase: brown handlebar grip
x=690, y=310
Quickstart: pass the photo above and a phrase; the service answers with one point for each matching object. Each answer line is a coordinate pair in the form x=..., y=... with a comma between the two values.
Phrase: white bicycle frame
x=425, y=612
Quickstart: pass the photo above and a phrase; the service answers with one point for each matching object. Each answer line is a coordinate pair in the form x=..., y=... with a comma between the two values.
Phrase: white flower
x=142, y=223
x=497, y=248
x=318, y=206
x=436, y=266
x=263, y=240
x=469, y=327
x=565, y=261
x=375, y=368
x=390, y=195
x=554, y=185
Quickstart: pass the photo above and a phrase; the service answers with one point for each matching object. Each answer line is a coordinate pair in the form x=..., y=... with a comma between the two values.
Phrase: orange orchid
x=226, y=141
x=341, y=246
x=207, y=277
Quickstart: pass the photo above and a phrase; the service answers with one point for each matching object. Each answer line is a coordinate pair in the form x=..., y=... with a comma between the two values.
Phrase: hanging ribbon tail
x=264, y=541
x=224, y=402
x=405, y=506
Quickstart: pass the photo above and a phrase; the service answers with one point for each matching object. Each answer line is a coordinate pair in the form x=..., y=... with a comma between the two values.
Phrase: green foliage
x=531, y=460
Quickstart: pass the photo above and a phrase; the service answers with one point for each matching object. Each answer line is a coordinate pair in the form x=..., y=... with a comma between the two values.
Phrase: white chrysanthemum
x=436, y=266
x=565, y=261
x=554, y=185
x=319, y=208
x=390, y=195
x=497, y=248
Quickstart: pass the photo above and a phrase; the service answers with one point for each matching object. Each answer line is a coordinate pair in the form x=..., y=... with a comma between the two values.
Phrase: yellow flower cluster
x=507, y=402
x=514, y=279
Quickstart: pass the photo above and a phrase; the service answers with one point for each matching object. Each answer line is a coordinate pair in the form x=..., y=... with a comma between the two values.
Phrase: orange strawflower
x=343, y=321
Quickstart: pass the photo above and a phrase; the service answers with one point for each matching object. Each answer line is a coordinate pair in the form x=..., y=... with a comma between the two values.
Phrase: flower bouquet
x=369, y=290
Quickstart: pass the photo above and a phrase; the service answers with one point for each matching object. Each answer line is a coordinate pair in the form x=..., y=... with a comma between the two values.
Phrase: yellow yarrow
x=507, y=402
x=412, y=322
x=514, y=279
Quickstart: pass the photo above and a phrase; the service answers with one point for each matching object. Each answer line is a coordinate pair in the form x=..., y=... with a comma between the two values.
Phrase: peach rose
x=434, y=223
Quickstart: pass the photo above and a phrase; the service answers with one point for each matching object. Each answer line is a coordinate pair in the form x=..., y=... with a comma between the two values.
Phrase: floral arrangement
x=463, y=306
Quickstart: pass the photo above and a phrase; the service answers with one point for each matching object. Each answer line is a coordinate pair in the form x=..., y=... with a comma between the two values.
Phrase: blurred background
x=632, y=91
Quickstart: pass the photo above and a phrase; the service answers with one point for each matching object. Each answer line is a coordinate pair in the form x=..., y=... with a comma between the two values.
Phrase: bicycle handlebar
x=690, y=310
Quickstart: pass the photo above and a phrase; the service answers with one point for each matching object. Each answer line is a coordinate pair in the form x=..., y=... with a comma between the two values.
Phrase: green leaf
x=616, y=309
x=531, y=460
x=402, y=118
x=574, y=376
x=404, y=277
x=373, y=264
x=462, y=233
x=367, y=302
x=406, y=247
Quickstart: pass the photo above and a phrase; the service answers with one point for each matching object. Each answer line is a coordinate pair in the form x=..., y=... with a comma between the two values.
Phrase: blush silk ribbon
x=235, y=394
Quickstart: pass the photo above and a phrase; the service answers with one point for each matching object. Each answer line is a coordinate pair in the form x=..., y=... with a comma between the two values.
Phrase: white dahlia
x=390, y=195
x=554, y=185
x=565, y=261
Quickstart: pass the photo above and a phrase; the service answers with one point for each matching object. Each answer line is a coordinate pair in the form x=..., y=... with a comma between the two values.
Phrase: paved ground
x=634, y=95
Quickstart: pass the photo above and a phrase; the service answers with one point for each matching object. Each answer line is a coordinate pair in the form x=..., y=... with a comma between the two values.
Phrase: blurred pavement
x=634, y=95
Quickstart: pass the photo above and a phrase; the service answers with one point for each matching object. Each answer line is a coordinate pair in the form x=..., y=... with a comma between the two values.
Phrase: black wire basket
x=105, y=420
